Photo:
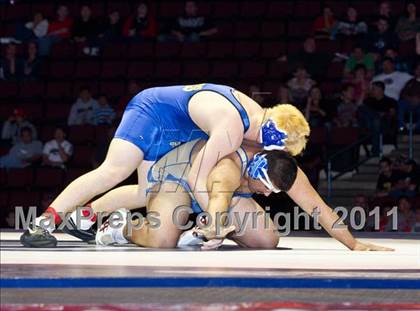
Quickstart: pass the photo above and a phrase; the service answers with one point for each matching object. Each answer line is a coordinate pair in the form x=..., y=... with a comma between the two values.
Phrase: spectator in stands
x=10, y=219
x=408, y=180
x=31, y=63
x=299, y=87
x=112, y=28
x=104, y=114
x=132, y=89
x=394, y=80
x=37, y=28
x=387, y=178
x=405, y=217
x=382, y=39
x=314, y=61
x=314, y=112
x=399, y=63
x=385, y=11
x=191, y=26
x=418, y=44
x=140, y=25
x=363, y=202
x=359, y=57
x=324, y=24
x=283, y=95
x=416, y=227
x=57, y=151
x=85, y=27
x=408, y=25
x=57, y=30
x=82, y=111
x=350, y=26
x=347, y=108
x=360, y=81
x=24, y=153
x=12, y=128
x=10, y=64
x=410, y=100
x=378, y=114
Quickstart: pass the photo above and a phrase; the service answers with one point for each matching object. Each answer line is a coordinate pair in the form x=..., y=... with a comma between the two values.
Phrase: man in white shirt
x=58, y=150
x=82, y=111
x=394, y=80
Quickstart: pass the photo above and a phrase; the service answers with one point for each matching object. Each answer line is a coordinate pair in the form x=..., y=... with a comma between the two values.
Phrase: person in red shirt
x=324, y=24
x=140, y=25
x=57, y=30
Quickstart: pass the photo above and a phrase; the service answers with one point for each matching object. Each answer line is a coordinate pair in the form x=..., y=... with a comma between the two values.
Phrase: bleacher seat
x=87, y=69
x=246, y=49
x=23, y=198
x=224, y=70
x=113, y=70
x=58, y=89
x=112, y=89
x=225, y=9
x=141, y=50
x=247, y=29
x=196, y=70
x=61, y=69
x=220, y=49
x=252, y=69
x=140, y=70
x=167, y=70
x=279, y=9
x=82, y=157
x=253, y=9
x=272, y=29
x=63, y=50
x=273, y=49
x=31, y=89
x=81, y=134
x=20, y=177
x=307, y=8
x=46, y=177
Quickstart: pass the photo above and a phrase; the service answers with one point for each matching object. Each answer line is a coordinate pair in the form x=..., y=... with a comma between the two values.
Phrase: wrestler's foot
x=108, y=235
x=39, y=237
x=84, y=235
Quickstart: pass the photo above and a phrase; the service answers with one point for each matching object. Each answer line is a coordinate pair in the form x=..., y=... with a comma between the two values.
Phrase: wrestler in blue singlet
x=157, y=120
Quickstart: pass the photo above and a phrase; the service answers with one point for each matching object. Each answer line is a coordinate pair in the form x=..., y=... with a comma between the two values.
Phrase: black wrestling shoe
x=84, y=235
x=39, y=237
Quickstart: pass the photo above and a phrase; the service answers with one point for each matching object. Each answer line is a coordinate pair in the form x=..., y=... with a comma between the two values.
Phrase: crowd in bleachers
x=351, y=66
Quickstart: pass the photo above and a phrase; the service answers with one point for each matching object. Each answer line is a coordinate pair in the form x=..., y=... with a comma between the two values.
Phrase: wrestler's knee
x=268, y=241
x=163, y=242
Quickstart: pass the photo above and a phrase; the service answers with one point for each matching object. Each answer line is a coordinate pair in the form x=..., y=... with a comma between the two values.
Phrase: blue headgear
x=257, y=169
x=272, y=137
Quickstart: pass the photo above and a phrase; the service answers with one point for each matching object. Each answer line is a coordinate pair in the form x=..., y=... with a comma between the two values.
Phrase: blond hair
x=291, y=120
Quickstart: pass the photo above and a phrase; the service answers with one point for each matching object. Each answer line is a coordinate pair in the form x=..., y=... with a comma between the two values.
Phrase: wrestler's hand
x=370, y=247
x=210, y=232
x=212, y=244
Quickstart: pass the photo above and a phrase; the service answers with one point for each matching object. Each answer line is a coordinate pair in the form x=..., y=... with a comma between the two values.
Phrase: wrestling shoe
x=39, y=237
x=108, y=235
x=84, y=235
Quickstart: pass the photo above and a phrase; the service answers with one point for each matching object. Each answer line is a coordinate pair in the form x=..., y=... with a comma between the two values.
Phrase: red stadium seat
x=57, y=111
x=23, y=198
x=335, y=70
x=87, y=69
x=343, y=136
x=34, y=110
x=167, y=50
x=63, y=50
x=8, y=89
x=168, y=70
x=112, y=89
x=305, y=8
x=141, y=50
x=247, y=29
x=299, y=28
x=19, y=12
x=47, y=9
x=365, y=8
x=140, y=70
x=46, y=177
x=58, y=89
x=196, y=70
x=114, y=51
x=81, y=134
x=171, y=9
x=277, y=9
x=113, y=69
x=337, y=7
x=225, y=29
x=123, y=7
x=31, y=89
x=47, y=133
x=246, y=49
x=61, y=70
x=272, y=29
x=252, y=70
x=225, y=9
x=224, y=70
x=277, y=70
x=82, y=157
x=220, y=49
x=253, y=9
x=273, y=49
x=92, y=84
x=318, y=136
x=193, y=50
x=20, y=177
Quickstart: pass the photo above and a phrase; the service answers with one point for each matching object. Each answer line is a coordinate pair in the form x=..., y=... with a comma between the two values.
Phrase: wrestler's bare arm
x=308, y=199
